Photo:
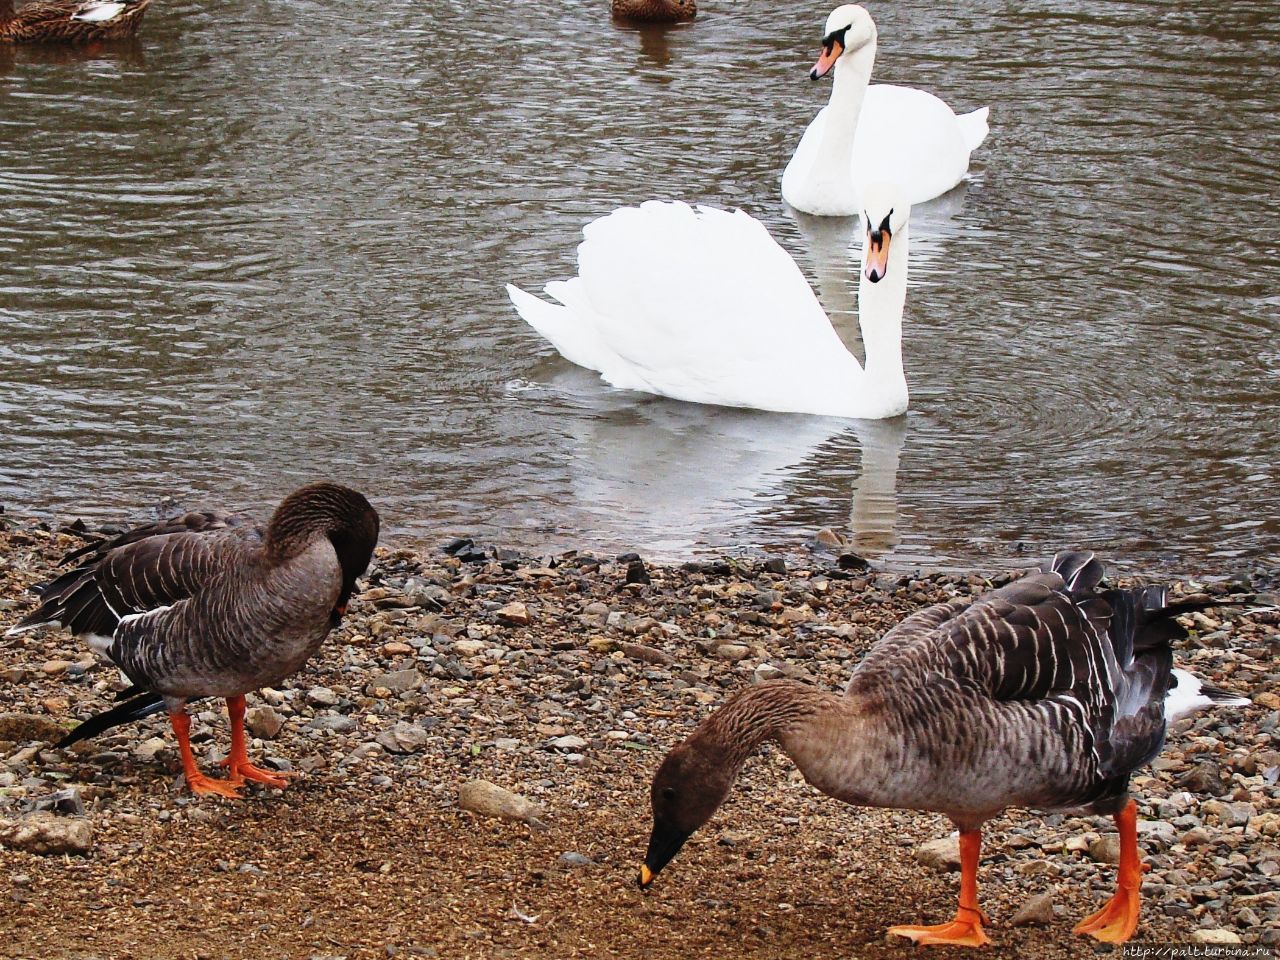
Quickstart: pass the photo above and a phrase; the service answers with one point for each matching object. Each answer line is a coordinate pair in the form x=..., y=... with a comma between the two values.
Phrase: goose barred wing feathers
x=1095, y=665
x=139, y=571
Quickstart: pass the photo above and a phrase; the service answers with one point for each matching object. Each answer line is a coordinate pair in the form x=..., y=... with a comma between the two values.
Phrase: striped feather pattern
x=68, y=21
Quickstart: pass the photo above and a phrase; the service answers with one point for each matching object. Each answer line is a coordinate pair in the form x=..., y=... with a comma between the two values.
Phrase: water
x=267, y=242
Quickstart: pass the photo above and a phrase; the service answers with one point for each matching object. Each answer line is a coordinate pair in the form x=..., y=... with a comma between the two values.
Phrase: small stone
x=828, y=538
x=490, y=800
x=469, y=648
x=322, y=697
x=401, y=681
x=334, y=722
x=43, y=833
x=940, y=854
x=774, y=565
x=571, y=858
x=1196, y=836
x=733, y=651
x=1215, y=936
x=1105, y=849
x=569, y=743
x=55, y=667
x=396, y=649
x=646, y=654
x=403, y=738
x=636, y=572
x=263, y=722
x=514, y=612
x=767, y=671
x=1036, y=912
x=148, y=749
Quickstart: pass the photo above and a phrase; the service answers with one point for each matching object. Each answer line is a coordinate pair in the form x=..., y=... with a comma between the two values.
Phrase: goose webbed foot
x=1118, y=920
x=239, y=772
x=239, y=769
x=201, y=784
x=966, y=929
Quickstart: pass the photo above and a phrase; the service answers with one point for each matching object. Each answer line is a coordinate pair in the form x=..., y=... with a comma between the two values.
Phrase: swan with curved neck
x=703, y=306
x=1047, y=693
x=874, y=133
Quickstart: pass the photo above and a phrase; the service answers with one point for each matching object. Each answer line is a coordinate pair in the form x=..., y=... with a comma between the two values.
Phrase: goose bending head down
x=213, y=605
x=1047, y=693
x=872, y=133
x=704, y=306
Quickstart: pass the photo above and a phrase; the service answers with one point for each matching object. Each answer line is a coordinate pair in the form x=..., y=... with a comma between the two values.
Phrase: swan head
x=848, y=29
x=885, y=212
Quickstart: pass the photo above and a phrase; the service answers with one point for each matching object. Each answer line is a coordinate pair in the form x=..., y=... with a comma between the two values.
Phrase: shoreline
x=565, y=679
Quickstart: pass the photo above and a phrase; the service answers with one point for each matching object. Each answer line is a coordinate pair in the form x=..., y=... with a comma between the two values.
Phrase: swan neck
x=848, y=90
x=880, y=307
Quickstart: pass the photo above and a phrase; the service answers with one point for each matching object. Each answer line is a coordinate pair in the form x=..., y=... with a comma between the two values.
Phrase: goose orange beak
x=828, y=60
x=877, y=254
x=646, y=876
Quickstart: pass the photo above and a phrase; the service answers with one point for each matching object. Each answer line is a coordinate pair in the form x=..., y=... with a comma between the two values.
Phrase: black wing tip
x=143, y=704
x=1081, y=570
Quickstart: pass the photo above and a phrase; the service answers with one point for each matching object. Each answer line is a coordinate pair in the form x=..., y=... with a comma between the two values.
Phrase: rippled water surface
x=267, y=242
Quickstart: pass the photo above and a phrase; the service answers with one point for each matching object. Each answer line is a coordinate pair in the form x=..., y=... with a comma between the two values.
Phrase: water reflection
x=670, y=469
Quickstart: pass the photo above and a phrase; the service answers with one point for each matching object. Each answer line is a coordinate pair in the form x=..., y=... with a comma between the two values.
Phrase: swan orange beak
x=828, y=60
x=877, y=254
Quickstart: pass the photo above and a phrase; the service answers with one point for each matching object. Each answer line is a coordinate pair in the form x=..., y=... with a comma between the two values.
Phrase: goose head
x=333, y=512
x=688, y=788
x=885, y=212
x=848, y=30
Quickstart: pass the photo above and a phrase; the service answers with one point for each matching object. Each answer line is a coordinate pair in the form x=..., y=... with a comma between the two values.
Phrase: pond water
x=266, y=243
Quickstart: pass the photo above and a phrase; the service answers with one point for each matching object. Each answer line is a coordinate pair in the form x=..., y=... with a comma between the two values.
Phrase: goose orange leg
x=1117, y=921
x=200, y=784
x=966, y=929
x=239, y=769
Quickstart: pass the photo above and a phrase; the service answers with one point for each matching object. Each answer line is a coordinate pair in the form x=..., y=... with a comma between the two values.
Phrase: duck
x=702, y=305
x=1047, y=693
x=70, y=21
x=655, y=11
x=870, y=133
x=212, y=604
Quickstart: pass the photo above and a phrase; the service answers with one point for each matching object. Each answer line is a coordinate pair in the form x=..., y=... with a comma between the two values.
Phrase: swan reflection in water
x=668, y=477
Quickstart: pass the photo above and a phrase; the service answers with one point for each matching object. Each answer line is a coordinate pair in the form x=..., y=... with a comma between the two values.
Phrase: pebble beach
x=473, y=749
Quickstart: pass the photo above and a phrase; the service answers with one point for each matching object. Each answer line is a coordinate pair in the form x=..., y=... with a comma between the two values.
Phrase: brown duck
x=1047, y=693
x=70, y=21
x=213, y=605
x=655, y=11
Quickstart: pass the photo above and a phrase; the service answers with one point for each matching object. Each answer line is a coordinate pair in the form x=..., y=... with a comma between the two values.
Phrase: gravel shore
x=564, y=679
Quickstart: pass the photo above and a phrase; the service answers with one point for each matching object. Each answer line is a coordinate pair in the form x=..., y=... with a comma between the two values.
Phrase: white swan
x=702, y=305
x=869, y=134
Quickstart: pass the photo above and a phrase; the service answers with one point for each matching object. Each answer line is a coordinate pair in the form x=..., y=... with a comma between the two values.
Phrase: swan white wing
x=904, y=136
x=701, y=306
x=909, y=137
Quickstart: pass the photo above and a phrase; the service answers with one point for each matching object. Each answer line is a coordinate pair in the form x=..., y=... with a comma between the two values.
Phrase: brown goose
x=213, y=605
x=1046, y=693
x=70, y=21
x=655, y=11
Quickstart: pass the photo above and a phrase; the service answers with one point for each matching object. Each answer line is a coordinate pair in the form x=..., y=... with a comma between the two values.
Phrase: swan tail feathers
x=973, y=127
x=564, y=327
